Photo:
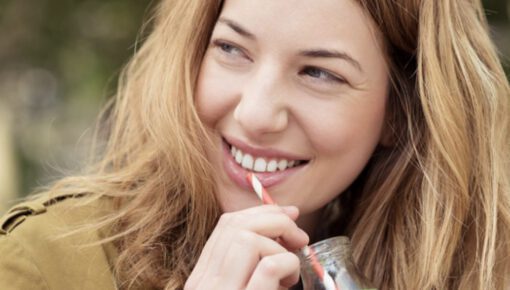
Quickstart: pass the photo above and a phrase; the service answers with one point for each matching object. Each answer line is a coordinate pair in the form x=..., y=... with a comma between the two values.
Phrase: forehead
x=327, y=21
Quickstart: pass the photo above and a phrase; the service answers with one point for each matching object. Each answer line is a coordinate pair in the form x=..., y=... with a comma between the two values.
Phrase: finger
x=267, y=208
x=242, y=231
x=278, y=225
x=245, y=253
x=209, y=259
x=216, y=247
x=206, y=258
x=269, y=220
x=291, y=211
x=212, y=254
x=275, y=271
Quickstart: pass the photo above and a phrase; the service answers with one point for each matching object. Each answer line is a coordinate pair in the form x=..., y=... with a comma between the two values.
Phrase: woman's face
x=296, y=91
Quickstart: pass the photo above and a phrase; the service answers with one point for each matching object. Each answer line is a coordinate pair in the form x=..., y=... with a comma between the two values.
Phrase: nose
x=262, y=107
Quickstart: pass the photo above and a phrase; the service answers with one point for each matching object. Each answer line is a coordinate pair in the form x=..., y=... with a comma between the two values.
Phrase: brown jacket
x=33, y=255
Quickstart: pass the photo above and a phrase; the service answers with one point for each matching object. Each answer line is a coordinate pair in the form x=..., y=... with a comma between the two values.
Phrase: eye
x=228, y=49
x=322, y=75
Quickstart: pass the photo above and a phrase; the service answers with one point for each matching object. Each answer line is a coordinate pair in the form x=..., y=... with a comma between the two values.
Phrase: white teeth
x=247, y=161
x=282, y=165
x=271, y=166
x=260, y=164
x=239, y=156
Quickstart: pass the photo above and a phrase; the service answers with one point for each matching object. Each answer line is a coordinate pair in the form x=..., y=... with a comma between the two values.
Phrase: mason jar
x=331, y=257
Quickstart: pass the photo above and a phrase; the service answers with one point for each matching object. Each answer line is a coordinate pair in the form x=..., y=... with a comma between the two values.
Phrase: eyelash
x=328, y=77
x=226, y=49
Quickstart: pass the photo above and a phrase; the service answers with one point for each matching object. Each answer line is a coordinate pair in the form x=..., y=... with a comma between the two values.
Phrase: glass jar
x=332, y=256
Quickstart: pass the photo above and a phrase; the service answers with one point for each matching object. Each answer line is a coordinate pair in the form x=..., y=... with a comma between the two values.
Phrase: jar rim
x=322, y=247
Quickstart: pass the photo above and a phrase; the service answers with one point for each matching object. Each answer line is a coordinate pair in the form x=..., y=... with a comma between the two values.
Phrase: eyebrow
x=237, y=28
x=323, y=53
x=313, y=53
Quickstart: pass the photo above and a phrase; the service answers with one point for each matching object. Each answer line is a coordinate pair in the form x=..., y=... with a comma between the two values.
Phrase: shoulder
x=49, y=214
x=38, y=251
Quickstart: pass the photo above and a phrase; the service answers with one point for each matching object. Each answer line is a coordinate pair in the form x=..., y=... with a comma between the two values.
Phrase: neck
x=309, y=223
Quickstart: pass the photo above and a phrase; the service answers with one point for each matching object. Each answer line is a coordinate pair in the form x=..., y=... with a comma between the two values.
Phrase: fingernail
x=290, y=210
x=305, y=234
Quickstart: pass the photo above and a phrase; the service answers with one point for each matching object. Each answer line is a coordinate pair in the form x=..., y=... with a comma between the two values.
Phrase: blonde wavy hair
x=431, y=212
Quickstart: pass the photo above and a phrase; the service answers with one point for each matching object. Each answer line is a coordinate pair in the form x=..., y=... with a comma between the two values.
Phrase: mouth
x=262, y=163
x=270, y=166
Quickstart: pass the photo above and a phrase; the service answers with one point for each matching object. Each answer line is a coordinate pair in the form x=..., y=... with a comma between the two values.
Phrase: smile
x=271, y=166
x=261, y=164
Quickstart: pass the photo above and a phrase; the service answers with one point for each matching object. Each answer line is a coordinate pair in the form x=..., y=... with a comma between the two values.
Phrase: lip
x=268, y=179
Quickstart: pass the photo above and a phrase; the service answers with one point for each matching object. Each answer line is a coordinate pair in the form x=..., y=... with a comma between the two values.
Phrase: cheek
x=353, y=127
x=215, y=94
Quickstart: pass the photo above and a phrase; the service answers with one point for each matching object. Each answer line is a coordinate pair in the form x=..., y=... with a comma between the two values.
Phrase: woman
x=386, y=121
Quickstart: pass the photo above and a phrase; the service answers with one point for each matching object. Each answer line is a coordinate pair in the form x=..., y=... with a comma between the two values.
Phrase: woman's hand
x=251, y=249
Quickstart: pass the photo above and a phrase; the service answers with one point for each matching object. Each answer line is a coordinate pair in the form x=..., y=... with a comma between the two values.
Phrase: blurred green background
x=59, y=61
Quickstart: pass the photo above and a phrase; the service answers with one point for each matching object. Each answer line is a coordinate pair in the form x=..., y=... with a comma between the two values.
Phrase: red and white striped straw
x=259, y=189
x=262, y=193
